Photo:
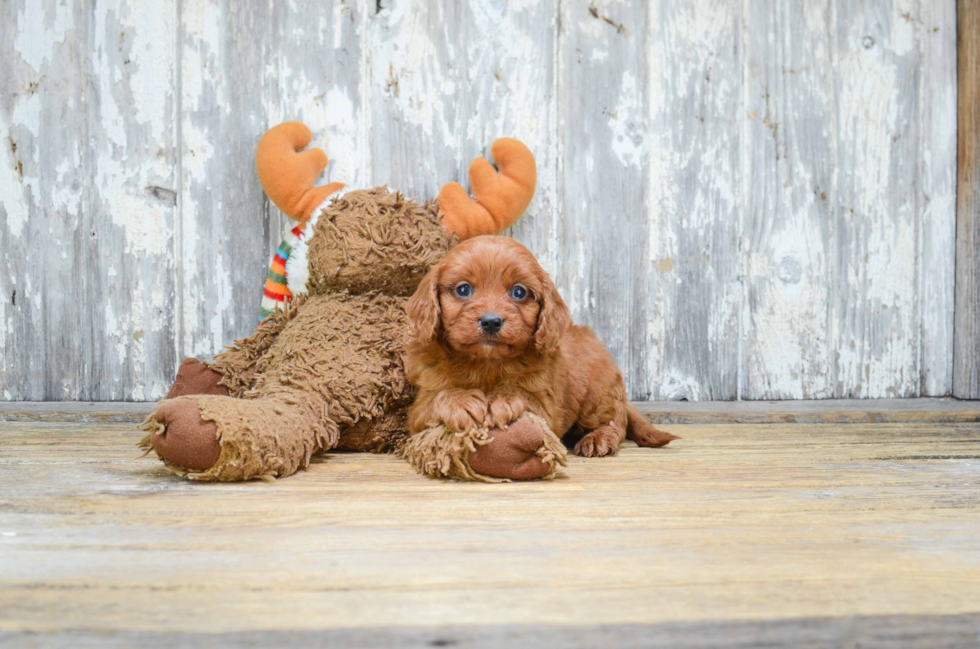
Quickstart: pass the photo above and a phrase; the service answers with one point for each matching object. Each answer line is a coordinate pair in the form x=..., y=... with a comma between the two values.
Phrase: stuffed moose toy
x=326, y=371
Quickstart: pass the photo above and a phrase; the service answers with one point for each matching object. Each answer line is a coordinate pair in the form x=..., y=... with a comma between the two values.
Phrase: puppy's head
x=489, y=298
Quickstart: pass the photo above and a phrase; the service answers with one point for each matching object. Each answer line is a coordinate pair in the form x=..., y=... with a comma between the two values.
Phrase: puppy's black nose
x=491, y=323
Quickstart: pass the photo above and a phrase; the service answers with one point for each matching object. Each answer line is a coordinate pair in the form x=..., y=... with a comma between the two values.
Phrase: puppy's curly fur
x=492, y=338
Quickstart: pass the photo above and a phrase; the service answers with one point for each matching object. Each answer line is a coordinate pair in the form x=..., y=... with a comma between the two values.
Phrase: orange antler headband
x=287, y=175
x=501, y=197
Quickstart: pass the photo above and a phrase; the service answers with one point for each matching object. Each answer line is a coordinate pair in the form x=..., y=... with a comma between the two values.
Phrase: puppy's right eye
x=464, y=290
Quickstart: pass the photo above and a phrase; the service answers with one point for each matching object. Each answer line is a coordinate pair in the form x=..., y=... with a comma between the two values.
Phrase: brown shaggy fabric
x=195, y=377
x=237, y=364
x=440, y=453
x=335, y=365
x=327, y=371
x=375, y=240
x=386, y=434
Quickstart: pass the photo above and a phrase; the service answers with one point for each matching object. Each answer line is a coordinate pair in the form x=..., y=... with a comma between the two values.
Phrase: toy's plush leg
x=524, y=450
x=180, y=437
x=207, y=437
x=238, y=365
x=194, y=377
x=301, y=378
x=185, y=440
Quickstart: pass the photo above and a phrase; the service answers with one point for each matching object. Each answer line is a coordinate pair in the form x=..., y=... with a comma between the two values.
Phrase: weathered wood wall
x=966, y=346
x=747, y=200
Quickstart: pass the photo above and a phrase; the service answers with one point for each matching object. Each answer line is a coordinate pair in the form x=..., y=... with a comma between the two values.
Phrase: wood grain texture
x=245, y=67
x=731, y=523
x=851, y=227
x=966, y=380
x=824, y=411
x=87, y=178
x=223, y=48
x=937, y=99
x=789, y=228
x=603, y=122
x=686, y=315
x=745, y=200
x=869, y=631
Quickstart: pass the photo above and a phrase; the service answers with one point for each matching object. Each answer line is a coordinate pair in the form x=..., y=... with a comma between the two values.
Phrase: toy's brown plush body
x=327, y=372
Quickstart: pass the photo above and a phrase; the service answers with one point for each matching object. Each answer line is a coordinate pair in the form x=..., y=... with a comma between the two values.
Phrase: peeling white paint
x=727, y=144
x=675, y=386
x=13, y=196
x=39, y=31
x=629, y=135
x=406, y=63
x=936, y=277
x=151, y=54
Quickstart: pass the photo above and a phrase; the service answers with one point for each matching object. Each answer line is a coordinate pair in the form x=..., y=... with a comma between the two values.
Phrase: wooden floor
x=739, y=534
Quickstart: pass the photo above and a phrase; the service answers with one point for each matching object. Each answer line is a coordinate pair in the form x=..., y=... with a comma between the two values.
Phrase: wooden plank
x=840, y=411
x=105, y=412
x=745, y=523
x=845, y=225
x=875, y=313
x=881, y=632
x=966, y=356
x=322, y=80
x=937, y=194
x=875, y=202
x=225, y=229
x=87, y=187
x=506, y=96
x=414, y=58
x=603, y=161
x=685, y=335
x=645, y=214
x=789, y=229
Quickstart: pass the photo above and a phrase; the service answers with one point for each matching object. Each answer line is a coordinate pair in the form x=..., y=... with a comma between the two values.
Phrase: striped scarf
x=276, y=293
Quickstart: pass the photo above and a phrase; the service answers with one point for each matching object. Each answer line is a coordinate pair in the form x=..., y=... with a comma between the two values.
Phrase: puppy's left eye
x=518, y=292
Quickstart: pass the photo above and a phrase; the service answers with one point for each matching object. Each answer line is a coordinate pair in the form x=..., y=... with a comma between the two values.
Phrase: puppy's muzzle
x=491, y=323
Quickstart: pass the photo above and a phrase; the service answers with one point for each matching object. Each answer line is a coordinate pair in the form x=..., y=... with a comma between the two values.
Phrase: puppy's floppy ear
x=553, y=318
x=423, y=309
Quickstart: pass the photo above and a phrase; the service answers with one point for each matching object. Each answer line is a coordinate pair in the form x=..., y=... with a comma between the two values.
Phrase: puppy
x=491, y=338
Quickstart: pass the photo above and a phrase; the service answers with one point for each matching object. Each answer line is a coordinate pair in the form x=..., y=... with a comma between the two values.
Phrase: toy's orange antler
x=288, y=175
x=501, y=197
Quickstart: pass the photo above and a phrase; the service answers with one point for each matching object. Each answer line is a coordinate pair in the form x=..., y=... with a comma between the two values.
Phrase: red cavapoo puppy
x=491, y=339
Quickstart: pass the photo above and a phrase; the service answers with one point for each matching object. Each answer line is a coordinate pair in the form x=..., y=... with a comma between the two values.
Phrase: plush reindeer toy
x=326, y=370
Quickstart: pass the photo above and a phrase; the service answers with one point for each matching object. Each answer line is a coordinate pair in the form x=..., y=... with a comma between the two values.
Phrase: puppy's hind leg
x=644, y=433
x=602, y=441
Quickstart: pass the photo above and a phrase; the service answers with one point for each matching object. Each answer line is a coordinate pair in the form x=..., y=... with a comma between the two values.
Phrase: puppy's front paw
x=600, y=442
x=504, y=410
x=461, y=410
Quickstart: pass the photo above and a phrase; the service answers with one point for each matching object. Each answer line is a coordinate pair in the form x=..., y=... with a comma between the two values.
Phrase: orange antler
x=501, y=197
x=287, y=176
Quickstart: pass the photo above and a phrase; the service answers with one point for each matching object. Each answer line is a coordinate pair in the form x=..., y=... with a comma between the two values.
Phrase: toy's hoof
x=187, y=440
x=194, y=377
x=513, y=453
